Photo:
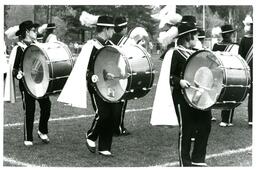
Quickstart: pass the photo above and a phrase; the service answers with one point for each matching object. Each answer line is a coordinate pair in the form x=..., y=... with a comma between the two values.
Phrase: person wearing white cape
x=27, y=35
x=82, y=78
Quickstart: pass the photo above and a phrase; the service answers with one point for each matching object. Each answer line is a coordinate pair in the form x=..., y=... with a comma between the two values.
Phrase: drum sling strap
x=186, y=53
x=249, y=54
x=229, y=47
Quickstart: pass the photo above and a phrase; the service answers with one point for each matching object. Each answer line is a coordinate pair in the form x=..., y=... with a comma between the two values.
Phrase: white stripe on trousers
x=96, y=110
x=180, y=137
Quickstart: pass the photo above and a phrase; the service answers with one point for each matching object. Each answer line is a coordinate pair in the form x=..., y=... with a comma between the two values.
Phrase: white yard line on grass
x=18, y=163
x=225, y=153
x=176, y=163
x=74, y=117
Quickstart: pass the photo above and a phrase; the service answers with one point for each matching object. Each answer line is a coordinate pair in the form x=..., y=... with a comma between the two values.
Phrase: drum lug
x=147, y=72
x=144, y=88
x=130, y=91
x=135, y=98
x=134, y=74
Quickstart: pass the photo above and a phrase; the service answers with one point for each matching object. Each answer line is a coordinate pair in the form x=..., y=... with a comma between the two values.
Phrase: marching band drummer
x=246, y=51
x=180, y=112
x=228, y=46
x=27, y=35
x=81, y=78
x=190, y=119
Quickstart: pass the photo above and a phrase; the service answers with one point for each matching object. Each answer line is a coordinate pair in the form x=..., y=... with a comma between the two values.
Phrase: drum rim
x=129, y=67
x=95, y=85
x=23, y=79
x=182, y=75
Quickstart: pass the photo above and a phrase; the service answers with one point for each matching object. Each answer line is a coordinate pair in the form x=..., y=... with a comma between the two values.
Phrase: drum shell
x=234, y=81
x=144, y=77
x=138, y=65
x=57, y=62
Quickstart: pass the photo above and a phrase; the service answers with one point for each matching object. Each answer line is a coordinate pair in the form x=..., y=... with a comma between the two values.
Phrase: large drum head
x=109, y=60
x=205, y=75
x=36, y=71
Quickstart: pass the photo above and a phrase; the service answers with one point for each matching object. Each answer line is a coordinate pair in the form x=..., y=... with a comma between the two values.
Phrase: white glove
x=184, y=83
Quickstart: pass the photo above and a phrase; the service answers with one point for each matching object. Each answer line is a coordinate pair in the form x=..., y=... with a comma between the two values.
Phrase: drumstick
x=199, y=88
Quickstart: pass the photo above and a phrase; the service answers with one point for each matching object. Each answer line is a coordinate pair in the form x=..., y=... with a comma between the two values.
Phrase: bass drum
x=131, y=69
x=219, y=80
x=46, y=67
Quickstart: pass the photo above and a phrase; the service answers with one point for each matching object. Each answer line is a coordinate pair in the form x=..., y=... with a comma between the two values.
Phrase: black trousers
x=29, y=108
x=191, y=120
x=104, y=121
x=119, y=117
x=227, y=115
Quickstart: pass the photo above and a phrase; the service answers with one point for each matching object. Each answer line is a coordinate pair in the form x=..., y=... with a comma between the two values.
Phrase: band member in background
x=246, y=51
x=119, y=35
x=226, y=45
x=82, y=78
x=49, y=35
x=201, y=38
x=190, y=120
x=28, y=35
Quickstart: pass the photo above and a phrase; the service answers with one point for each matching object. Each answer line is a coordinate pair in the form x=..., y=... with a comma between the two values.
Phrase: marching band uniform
x=190, y=119
x=103, y=123
x=246, y=51
x=228, y=46
x=28, y=100
x=117, y=38
x=75, y=93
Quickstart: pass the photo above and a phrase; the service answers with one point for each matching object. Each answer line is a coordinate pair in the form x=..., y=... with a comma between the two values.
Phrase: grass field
x=147, y=146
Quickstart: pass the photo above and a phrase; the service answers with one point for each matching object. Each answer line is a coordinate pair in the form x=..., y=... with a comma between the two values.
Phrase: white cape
x=163, y=112
x=74, y=92
x=9, y=84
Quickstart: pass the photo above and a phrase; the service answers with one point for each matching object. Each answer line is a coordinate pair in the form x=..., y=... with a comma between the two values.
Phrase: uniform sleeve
x=17, y=62
x=241, y=49
x=90, y=71
x=175, y=73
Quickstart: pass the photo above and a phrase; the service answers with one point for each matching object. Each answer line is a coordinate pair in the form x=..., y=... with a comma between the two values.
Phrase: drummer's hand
x=184, y=83
x=19, y=75
x=94, y=78
x=110, y=76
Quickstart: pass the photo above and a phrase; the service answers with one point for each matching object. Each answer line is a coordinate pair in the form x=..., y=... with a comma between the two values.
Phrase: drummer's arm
x=16, y=66
x=174, y=72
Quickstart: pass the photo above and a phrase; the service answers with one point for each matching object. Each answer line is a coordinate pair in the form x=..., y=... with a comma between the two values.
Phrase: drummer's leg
x=100, y=108
x=45, y=111
x=29, y=108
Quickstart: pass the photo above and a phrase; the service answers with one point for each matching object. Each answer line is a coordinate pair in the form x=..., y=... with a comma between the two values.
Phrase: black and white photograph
x=127, y=84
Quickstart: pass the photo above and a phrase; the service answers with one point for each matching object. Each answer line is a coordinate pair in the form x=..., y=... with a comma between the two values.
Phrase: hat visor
x=188, y=31
x=18, y=33
x=229, y=31
x=51, y=27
